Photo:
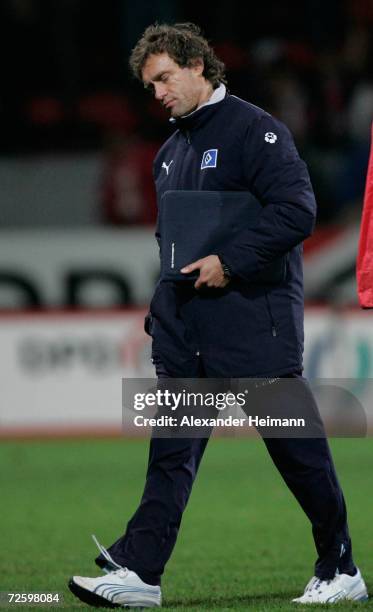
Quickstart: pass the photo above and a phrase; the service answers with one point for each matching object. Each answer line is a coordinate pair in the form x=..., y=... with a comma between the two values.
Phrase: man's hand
x=210, y=272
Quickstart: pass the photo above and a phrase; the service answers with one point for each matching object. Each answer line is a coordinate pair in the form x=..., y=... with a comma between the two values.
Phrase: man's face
x=180, y=90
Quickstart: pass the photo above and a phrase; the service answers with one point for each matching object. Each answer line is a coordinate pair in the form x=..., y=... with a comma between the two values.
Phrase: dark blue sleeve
x=279, y=179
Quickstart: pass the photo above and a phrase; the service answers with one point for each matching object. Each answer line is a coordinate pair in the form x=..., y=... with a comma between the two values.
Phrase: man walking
x=227, y=323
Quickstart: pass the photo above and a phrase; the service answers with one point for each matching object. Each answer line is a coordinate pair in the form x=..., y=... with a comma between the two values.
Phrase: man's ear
x=197, y=65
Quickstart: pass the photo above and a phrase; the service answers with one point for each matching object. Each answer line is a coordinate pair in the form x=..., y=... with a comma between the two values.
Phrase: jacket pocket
x=270, y=314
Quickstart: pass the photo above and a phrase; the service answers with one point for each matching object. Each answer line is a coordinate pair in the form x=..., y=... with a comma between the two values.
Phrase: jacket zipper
x=187, y=142
x=273, y=326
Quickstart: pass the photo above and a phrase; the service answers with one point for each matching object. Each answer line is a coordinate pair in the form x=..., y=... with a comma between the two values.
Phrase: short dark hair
x=184, y=43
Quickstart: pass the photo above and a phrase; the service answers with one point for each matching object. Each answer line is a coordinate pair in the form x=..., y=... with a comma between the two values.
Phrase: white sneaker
x=342, y=586
x=119, y=589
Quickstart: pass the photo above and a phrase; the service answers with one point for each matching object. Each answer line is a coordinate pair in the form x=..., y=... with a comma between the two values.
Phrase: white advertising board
x=61, y=372
x=338, y=343
x=85, y=267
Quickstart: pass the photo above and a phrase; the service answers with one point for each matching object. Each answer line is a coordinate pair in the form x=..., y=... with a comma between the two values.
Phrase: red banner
x=364, y=264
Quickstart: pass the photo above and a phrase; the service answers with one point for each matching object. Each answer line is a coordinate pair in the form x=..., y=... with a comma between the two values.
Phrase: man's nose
x=160, y=91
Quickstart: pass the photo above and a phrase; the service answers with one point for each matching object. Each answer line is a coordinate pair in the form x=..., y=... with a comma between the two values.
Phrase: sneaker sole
x=91, y=598
x=359, y=598
x=100, y=602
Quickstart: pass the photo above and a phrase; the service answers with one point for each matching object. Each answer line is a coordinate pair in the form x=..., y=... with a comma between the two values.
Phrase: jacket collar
x=203, y=112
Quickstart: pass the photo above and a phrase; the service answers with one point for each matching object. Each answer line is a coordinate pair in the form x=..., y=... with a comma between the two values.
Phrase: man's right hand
x=211, y=272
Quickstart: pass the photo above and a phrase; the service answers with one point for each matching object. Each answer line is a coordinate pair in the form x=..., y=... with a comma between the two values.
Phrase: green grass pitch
x=244, y=543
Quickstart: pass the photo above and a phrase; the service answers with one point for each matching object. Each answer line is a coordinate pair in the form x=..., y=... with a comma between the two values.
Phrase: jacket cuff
x=238, y=265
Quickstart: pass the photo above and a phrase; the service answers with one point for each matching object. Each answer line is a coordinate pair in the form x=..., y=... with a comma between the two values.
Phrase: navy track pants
x=305, y=464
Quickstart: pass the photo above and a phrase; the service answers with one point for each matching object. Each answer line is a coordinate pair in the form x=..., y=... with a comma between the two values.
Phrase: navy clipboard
x=194, y=224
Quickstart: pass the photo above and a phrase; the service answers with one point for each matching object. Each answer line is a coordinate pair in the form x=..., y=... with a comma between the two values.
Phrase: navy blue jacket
x=246, y=329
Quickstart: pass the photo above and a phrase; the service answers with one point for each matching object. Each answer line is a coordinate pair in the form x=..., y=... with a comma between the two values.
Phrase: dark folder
x=194, y=224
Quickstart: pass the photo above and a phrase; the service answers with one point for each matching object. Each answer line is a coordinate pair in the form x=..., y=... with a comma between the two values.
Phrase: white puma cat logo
x=167, y=167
